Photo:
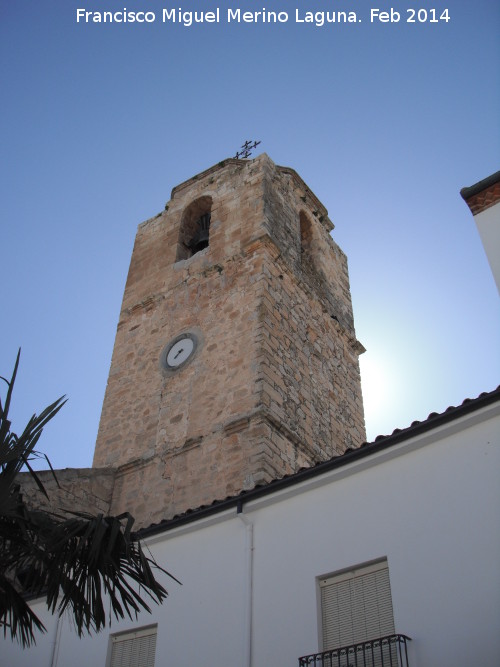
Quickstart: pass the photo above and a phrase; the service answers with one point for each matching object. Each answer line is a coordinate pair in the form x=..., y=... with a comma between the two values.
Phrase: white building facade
x=411, y=520
x=483, y=199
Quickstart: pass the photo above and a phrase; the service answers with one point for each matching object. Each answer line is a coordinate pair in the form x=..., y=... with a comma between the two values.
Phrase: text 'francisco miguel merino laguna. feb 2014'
x=236, y=15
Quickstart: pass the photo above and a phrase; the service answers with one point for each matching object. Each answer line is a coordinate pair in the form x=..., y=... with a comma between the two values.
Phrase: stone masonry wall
x=311, y=373
x=310, y=369
x=76, y=490
x=274, y=383
x=170, y=435
x=212, y=292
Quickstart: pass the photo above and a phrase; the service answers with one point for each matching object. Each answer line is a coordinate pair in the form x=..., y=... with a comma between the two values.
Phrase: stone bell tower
x=235, y=360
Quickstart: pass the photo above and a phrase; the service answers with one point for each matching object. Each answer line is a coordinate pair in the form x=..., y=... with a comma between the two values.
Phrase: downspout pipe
x=56, y=643
x=248, y=614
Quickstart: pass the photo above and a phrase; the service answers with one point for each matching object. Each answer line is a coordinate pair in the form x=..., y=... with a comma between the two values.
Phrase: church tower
x=235, y=360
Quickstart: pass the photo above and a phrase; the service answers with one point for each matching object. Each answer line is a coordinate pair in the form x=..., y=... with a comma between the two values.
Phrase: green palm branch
x=92, y=566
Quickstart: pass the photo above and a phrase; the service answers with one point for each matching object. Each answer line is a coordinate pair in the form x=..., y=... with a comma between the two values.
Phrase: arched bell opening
x=194, y=233
x=305, y=235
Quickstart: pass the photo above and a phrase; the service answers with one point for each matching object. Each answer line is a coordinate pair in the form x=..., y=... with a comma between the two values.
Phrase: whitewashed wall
x=430, y=505
x=488, y=225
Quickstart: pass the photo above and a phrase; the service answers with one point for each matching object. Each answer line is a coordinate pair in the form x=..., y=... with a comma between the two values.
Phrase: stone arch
x=305, y=233
x=306, y=236
x=310, y=258
x=194, y=231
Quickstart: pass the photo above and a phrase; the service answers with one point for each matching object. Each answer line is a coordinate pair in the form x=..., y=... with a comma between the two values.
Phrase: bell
x=200, y=239
x=204, y=221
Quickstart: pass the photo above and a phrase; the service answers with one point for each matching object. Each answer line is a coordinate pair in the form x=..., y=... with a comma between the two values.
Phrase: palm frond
x=16, y=616
x=77, y=562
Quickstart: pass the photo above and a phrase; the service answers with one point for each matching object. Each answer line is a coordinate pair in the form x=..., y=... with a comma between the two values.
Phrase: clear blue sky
x=386, y=122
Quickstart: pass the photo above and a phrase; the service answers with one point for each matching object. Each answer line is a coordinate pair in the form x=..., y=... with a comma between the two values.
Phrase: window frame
x=346, y=575
x=134, y=634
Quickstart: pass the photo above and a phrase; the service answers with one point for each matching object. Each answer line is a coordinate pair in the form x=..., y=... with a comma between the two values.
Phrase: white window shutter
x=134, y=649
x=356, y=606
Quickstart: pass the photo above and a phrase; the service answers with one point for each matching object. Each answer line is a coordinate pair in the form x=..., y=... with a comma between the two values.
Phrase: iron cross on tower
x=246, y=149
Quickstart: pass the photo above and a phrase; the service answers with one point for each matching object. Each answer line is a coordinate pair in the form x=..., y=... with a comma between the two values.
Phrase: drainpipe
x=57, y=640
x=249, y=584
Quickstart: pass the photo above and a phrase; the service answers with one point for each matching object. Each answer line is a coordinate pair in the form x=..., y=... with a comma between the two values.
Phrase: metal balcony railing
x=390, y=651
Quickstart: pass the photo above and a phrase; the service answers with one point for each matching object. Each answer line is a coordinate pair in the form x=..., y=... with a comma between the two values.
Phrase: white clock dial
x=180, y=352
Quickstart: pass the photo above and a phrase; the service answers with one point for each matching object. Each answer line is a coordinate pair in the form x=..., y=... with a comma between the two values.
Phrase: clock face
x=180, y=352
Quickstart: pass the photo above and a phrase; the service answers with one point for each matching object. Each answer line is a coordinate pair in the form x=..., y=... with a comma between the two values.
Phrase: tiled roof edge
x=367, y=449
x=475, y=189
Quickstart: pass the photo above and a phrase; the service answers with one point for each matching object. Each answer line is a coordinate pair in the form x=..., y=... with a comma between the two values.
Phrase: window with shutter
x=356, y=606
x=133, y=649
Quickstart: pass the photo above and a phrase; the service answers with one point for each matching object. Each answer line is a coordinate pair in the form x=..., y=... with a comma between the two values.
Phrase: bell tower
x=235, y=360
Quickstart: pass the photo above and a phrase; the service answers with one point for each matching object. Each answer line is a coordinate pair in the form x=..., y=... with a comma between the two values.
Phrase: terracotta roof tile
x=381, y=442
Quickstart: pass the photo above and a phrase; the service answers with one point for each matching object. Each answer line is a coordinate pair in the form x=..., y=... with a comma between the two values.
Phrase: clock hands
x=179, y=351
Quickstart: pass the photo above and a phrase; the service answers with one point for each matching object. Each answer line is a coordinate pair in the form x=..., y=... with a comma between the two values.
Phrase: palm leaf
x=79, y=562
